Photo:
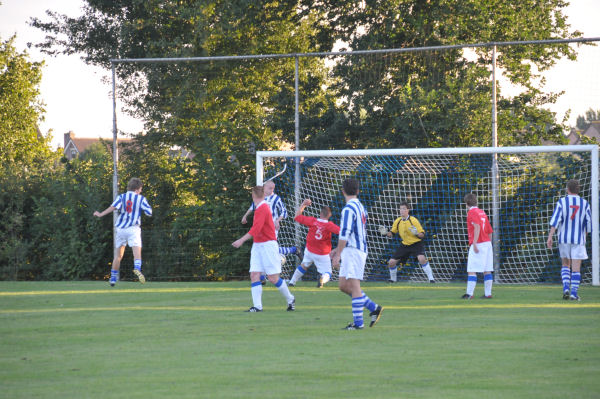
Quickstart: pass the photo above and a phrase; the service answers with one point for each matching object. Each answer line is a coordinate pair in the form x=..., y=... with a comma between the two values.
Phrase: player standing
x=411, y=232
x=128, y=231
x=572, y=219
x=481, y=254
x=264, y=257
x=352, y=251
x=318, y=243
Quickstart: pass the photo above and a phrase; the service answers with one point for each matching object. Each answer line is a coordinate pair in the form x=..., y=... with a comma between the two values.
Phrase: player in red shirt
x=264, y=257
x=481, y=254
x=318, y=243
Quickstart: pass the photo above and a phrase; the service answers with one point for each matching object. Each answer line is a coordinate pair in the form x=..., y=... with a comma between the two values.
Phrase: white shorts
x=572, y=251
x=483, y=261
x=264, y=258
x=352, y=263
x=322, y=262
x=131, y=236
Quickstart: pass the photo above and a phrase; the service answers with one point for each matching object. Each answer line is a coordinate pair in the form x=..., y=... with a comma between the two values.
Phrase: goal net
x=519, y=200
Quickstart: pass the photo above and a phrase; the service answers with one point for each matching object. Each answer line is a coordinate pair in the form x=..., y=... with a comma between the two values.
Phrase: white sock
x=257, y=295
x=487, y=284
x=428, y=271
x=393, y=273
x=285, y=291
x=297, y=274
x=471, y=283
x=326, y=277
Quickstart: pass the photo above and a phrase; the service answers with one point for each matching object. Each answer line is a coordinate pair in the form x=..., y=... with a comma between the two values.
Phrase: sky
x=78, y=97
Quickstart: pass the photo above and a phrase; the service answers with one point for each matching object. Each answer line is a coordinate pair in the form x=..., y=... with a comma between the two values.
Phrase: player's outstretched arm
x=104, y=212
x=305, y=203
x=245, y=217
x=239, y=242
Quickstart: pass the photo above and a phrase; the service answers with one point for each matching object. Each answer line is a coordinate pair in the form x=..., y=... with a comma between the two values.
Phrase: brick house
x=593, y=132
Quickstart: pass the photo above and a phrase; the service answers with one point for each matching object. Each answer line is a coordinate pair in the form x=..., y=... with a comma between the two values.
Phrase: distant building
x=592, y=132
x=75, y=146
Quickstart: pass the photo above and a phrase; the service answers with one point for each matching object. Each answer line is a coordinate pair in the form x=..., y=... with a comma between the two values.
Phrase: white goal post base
x=516, y=186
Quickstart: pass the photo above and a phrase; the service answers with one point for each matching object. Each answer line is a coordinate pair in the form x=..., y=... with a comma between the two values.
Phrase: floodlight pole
x=297, y=231
x=495, y=173
x=115, y=147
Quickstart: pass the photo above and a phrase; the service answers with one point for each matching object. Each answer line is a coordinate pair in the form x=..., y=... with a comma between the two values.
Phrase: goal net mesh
x=434, y=186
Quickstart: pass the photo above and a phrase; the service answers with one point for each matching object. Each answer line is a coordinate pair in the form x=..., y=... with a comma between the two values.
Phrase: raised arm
x=305, y=203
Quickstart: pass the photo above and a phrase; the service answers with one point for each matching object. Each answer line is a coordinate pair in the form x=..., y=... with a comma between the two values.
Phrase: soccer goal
x=516, y=186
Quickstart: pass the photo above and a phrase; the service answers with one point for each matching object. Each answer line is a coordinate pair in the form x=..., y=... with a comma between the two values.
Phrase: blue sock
x=287, y=250
x=575, y=280
x=357, y=311
x=114, y=275
x=137, y=264
x=369, y=304
x=565, y=273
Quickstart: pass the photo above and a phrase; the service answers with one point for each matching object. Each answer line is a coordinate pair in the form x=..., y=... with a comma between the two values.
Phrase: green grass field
x=194, y=340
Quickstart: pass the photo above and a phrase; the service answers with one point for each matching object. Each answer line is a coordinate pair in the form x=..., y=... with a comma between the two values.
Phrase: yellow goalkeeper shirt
x=402, y=227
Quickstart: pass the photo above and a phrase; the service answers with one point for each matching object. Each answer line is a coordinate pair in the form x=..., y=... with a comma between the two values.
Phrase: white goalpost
x=519, y=199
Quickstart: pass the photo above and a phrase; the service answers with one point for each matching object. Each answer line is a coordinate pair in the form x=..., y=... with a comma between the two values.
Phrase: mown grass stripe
x=464, y=306
x=231, y=289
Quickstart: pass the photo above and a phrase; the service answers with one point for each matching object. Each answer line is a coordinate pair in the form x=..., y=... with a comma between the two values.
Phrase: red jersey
x=318, y=239
x=263, y=229
x=477, y=216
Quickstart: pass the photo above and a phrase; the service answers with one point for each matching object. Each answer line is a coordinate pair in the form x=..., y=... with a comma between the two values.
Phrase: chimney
x=68, y=137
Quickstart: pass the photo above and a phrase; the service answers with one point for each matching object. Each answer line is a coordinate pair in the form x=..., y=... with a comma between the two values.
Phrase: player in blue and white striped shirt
x=572, y=220
x=352, y=251
x=130, y=206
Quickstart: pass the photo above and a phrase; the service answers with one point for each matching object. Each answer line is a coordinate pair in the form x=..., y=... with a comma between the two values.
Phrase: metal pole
x=297, y=232
x=115, y=147
x=595, y=219
x=495, y=174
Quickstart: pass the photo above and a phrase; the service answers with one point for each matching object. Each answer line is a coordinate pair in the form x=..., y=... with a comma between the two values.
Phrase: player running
x=264, y=257
x=572, y=220
x=318, y=243
x=481, y=254
x=352, y=251
x=128, y=231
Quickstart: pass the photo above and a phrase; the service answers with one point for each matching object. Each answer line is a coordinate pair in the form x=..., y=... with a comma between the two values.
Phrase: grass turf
x=193, y=340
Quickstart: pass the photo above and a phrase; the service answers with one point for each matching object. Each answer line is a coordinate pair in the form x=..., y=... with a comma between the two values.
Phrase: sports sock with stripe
x=298, y=273
x=565, y=274
x=357, y=311
x=256, y=289
x=488, y=280
x=471, y=283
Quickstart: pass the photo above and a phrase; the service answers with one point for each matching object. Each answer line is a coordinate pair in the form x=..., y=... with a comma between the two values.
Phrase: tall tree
x=584, y=121
x=21, y=109
x=442, y=98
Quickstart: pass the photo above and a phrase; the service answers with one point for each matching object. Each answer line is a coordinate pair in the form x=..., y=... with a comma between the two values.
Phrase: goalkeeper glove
x=413, y=230
x=383, y=230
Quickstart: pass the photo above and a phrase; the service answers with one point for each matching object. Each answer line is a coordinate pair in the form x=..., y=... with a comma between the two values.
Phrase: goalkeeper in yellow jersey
x=411, y=232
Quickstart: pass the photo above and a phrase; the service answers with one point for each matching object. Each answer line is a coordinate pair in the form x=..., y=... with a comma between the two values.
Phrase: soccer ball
x=282, y=257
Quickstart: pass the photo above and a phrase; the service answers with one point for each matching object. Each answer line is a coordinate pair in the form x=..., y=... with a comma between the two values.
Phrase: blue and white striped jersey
x=277, y=206
x=130, y=206
x=353, y=225
x=572, y=219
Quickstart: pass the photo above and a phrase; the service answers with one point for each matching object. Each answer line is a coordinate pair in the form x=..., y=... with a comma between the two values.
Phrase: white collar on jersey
x=322, y=220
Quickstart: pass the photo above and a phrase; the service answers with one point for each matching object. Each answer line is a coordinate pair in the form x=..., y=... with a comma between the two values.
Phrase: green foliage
x=224, y=110
x=584, y=121
x=21, y=144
